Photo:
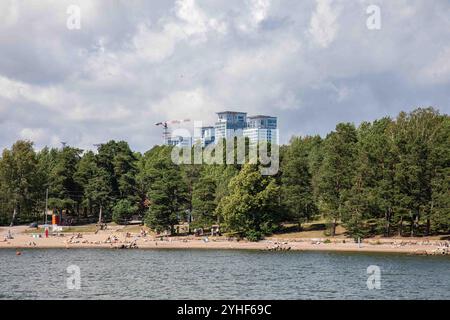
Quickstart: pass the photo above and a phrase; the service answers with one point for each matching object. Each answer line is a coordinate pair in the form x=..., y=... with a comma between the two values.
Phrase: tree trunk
x=400, y=227
x=414, y=223
x=100, y=215
x=13, y=217
x=429, y=219
x=333, y=228
x=388, y=223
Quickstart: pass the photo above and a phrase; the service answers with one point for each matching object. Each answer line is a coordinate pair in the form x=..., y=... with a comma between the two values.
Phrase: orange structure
x=55, y=219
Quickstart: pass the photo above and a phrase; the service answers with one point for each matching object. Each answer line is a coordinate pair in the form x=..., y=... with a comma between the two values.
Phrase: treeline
x=388, y=177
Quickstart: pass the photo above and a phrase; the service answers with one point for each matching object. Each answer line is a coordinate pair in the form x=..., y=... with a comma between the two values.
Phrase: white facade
x=262, y=128
x=230, y=124
x=256, y=135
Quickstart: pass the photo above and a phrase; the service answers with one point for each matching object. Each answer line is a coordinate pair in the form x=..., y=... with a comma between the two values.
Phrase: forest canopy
x=386, y=177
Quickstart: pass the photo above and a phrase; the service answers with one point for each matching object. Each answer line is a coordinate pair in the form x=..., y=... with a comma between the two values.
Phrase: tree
x=98, y=192
x=372, y=193
x=65, y=193
x=439, y=209
x=204, y=200
x=337, y=171
x=415, y=136
x=86, y=176
x=18, y=180
x=123, y=210
x=252, y=207
x=120, y=163
x=167, y=192
x=297, y=190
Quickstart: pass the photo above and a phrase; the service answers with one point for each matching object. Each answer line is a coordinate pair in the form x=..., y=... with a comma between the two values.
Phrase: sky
x=119, y=67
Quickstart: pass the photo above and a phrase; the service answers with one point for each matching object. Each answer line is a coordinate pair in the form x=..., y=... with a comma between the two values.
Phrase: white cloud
x=196, y=20
x=259, y=11
x=136, y=63
x=156, y=46
x=33, y=134
x=323, y=25
x=193, y=104
x=256, y=12
x=438, y=70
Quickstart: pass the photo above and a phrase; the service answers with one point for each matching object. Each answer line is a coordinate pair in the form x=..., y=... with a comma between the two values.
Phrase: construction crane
x=165, y=125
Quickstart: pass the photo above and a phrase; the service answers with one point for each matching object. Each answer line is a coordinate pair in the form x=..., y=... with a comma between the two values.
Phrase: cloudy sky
x=312, y=63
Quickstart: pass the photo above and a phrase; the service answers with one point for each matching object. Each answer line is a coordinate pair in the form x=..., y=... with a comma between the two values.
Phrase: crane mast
x=166, y=131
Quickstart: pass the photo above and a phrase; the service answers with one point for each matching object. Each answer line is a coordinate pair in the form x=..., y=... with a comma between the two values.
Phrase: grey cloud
x=135, y=63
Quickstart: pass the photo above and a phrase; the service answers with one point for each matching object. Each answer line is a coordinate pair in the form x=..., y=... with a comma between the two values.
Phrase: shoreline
x=114, y=239
x=329, y=249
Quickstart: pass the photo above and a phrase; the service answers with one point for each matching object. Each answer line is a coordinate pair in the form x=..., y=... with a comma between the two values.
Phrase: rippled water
x=205, y=274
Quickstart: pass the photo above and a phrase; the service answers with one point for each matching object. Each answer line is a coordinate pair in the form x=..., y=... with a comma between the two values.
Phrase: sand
x=23, y=240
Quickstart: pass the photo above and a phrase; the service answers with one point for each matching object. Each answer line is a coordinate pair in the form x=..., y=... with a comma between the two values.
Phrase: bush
x=253, y=235
x=123, y=210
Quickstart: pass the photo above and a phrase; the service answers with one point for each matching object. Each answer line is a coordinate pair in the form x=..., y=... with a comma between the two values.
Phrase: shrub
x=253, y=235
x=123, y=210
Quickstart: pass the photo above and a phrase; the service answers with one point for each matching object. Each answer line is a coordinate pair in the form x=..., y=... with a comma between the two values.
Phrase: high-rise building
x=261, y=128
x=208, y=136
x=230, y=124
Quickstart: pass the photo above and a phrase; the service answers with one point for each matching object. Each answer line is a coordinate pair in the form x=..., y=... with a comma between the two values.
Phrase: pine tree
x=167, y=192
x=372, y=193
x=337, y=171
x=297, y=190
x=204, y=201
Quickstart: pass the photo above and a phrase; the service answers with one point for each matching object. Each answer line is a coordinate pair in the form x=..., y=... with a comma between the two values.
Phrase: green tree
x=18, y=181
x=297, y=189
x=85, y=176
x=167, y=191
x=120, y=163
x=65, y=193
x=337, y=171
x=438, y=218
x=204, y=201
x=415, y=137
x=98, y=192
x=252, y=207
x=123, y=210
x=372, y=193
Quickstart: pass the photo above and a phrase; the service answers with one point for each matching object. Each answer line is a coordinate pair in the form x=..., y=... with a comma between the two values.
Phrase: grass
x=314, y=229
x=72, y=229
x=132, y=229
x=318, y=228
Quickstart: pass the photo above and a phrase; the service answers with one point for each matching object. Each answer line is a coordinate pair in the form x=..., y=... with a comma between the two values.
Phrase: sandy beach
x=114, y=238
